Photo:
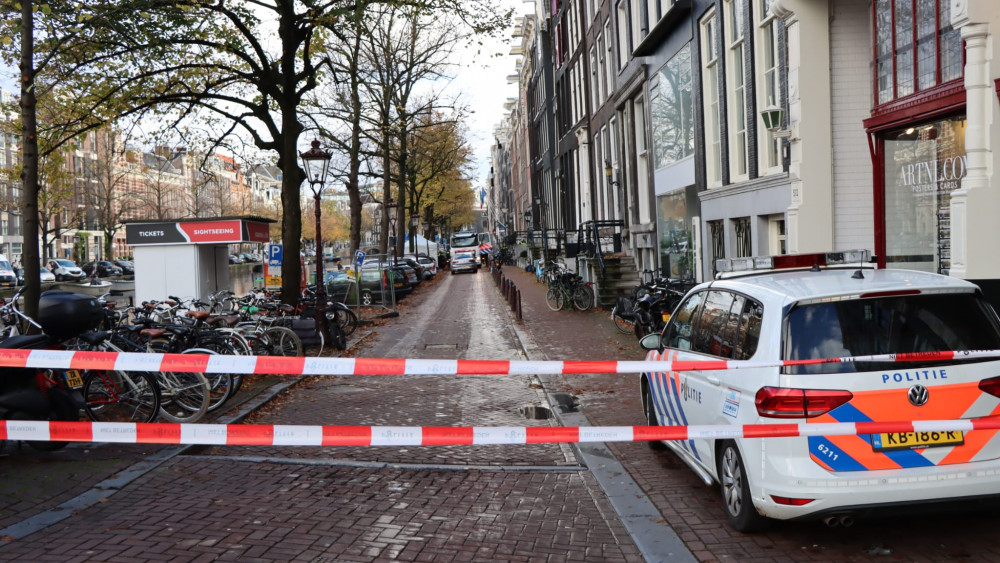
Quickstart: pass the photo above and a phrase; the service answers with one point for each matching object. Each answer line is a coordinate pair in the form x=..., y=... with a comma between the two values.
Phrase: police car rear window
x=888, y=325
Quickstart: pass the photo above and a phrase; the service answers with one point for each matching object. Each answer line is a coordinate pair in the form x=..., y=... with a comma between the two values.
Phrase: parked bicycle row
x=254, y=324
x=650, y=305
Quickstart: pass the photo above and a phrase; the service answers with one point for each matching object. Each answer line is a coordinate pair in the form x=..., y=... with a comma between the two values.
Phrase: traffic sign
x=359, y=257
x=274, y=254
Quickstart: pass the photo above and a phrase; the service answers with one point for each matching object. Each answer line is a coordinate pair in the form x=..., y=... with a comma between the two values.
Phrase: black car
x=128, y=267
x=104, y=269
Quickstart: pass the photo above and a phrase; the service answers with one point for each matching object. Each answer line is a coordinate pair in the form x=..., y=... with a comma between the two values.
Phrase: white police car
x=793, y=311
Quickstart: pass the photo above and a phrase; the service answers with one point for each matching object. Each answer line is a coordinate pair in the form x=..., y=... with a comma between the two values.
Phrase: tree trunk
x=29, y=170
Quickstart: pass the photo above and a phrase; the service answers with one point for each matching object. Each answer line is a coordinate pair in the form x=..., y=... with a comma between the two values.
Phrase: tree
x=115, y=184
x=249, y=65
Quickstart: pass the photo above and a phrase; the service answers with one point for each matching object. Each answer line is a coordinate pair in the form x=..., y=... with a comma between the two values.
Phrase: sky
x=482, y=81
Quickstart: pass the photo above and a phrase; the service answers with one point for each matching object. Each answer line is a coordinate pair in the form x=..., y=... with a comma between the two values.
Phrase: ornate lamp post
x=316, y=162
x=390, y=209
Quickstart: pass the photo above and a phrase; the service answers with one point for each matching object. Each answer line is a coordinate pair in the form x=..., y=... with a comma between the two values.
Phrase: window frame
x=709, y=29
x=736, y=89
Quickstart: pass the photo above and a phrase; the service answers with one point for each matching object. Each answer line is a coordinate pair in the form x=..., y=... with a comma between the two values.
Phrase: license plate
x=914, y=440
x=73, y=379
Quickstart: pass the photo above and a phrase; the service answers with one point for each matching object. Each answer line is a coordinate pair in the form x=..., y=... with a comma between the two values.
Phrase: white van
x=8, y=278
x=66, y=270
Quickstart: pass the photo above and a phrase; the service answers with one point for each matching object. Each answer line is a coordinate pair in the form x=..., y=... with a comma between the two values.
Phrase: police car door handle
x=713, y=380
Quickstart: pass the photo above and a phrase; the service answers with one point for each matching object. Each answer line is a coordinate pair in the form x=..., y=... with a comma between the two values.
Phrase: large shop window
x=676, y=242
x=672, y=111
x=923, y=165
x=915, y=47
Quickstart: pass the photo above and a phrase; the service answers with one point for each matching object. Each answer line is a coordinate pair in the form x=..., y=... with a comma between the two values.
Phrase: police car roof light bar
x=789, y=261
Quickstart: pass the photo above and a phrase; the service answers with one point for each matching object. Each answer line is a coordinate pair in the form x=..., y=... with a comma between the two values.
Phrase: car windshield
x=66, y=263
x=464, y=240
x=889, y=325
x=5, y=265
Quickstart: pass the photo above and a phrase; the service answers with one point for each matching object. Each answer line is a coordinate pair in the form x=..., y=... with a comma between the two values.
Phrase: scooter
x=44, y=394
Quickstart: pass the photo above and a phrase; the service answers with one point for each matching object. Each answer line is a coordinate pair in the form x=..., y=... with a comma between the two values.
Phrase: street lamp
x=316, y=162
x=609, y=171
x=390, y=210
x=426, y=227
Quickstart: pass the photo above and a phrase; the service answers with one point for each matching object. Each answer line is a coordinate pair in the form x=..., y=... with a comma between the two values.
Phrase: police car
x=834, y=305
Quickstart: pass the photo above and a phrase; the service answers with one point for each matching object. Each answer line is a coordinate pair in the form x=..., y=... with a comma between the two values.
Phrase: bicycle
x=569, y=287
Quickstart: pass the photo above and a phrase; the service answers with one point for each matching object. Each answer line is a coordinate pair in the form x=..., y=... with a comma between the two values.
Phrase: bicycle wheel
x=624, y=326
x=345, y=318
x=118, y=396
x=184, y=396
x=283, y=341
x=220, y=385
x=554, y=298
x=583, y=298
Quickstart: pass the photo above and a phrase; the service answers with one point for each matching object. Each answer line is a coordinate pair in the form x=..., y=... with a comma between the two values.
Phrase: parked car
x=246, y=257
x=44, y=274
x=427, y=266
x=785, y=317
x=234, y=259
x=412, y=263
x=8, y=277
x=127, y=266
x=104, y=269
x=66, y=270
x=376, y=286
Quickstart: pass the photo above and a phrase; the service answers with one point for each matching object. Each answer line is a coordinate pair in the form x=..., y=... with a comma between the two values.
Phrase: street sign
x=274, y=254
x=359, y=257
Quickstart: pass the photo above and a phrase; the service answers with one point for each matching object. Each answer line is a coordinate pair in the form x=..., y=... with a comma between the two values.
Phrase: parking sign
x=359, y=257
x=274, y=255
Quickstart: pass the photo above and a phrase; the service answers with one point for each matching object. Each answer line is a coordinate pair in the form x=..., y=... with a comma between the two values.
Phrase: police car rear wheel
x=736, y=500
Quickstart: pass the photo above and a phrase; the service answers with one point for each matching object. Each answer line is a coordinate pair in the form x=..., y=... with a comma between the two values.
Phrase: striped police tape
x=286, y=435
x=298, y=365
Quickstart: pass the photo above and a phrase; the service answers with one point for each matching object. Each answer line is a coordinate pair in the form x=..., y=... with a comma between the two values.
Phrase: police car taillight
x=991, y=386
x=780, y=402
x=787, y=261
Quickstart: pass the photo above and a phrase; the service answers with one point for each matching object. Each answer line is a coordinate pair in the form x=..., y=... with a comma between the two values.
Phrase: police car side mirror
x=650, y=341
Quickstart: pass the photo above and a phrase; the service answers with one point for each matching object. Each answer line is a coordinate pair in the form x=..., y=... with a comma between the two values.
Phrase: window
x=636, y=24
x=888, y=325
x=624, y=49
x=718, y=235
x=923, y=166
x=671, y=111
x=601, y=78
x=767, y=80
x=710, y=70
x=916, y=47
x=712, y=329
x=736, y=89
x=595, y=93
x=741, y=230
x=610, y=56
x=679, y=330
x=718, y=323
x=776, y=235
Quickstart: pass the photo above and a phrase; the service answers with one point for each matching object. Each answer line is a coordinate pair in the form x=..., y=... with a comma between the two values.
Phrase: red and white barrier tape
x=281, y=435
x=131, y=361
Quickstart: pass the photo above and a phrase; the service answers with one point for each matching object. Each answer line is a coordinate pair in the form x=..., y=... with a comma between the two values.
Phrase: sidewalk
x=581, y=335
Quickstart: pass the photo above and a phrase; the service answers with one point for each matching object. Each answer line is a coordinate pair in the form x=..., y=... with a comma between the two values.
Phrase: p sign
x=359, y=257
x=274, y=255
